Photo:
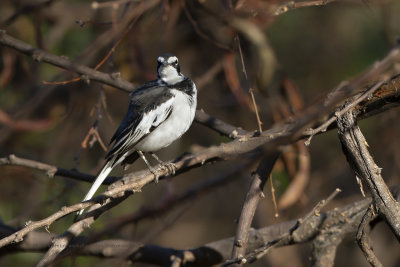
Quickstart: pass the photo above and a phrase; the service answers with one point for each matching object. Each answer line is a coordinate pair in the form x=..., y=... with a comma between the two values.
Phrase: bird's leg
x=171, y=167
x=151, y=169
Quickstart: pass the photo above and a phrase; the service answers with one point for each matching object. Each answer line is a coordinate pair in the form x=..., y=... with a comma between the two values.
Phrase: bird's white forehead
x=170, y=60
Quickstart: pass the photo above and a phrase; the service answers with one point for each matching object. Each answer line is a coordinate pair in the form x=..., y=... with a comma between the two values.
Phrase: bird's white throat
x=170, y=75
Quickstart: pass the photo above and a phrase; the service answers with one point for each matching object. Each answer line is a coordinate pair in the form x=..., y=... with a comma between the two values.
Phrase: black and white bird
x=159, y=112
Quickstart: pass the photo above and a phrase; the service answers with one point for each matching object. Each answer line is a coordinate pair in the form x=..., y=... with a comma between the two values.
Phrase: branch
x=218, y=125
x=355, y=148
x=291, y=5
x=363, y=239
x=52, y=170
x=164, y=206
x=348, y=107
x=61, y=242
x=254, y=194
x=86, y=73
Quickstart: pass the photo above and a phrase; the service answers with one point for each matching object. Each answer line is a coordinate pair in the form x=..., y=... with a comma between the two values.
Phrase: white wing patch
x=150, y=119
x=178, y=122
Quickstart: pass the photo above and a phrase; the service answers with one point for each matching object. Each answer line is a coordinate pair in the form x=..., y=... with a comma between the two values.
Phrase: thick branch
x=355, y=148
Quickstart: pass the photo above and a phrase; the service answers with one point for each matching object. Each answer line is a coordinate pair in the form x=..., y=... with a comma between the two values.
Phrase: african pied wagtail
x=159, y=112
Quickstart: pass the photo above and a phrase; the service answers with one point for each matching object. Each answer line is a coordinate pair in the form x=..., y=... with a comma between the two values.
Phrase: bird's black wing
x=149, y=106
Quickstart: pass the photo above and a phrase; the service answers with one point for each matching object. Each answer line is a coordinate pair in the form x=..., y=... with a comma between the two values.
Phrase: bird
x=159, y=112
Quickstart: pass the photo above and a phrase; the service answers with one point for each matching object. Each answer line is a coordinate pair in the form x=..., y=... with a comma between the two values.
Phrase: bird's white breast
x=178, y=122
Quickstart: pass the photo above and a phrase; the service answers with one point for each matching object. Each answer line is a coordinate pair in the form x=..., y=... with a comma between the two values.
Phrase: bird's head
x=168, y=69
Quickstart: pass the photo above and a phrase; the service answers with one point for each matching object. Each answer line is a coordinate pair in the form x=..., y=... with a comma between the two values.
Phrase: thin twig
x=251, y=90
x=273, y=197
x=325, y=125
x=363, y=239
x=290, y=5
x=52, y=170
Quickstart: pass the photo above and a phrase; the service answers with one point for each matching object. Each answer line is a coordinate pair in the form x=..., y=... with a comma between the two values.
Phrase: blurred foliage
x=315, y=47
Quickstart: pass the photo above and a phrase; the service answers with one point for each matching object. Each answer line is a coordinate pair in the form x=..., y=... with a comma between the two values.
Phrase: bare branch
x=65, y=63
x=218, y=125
x=363, y=239
x=339, y=113
x=290, y=5
x=355, y=148
x=51, y=170
x=163, y=206
x=253, y=196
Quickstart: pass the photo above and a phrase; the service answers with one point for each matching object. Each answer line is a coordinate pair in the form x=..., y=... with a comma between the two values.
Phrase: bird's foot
x=169, y=167
x=155, y=173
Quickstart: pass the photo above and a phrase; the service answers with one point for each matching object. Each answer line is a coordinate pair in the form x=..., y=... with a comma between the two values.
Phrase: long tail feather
x=97, y=183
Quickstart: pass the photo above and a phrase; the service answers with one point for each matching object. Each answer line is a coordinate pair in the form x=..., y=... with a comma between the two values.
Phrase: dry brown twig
x=323, y=127
x=291, y=5
x=250, y=90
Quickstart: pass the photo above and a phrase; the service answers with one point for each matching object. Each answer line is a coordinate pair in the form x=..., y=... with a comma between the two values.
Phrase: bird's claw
x=170, y=167
x=155, y=173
